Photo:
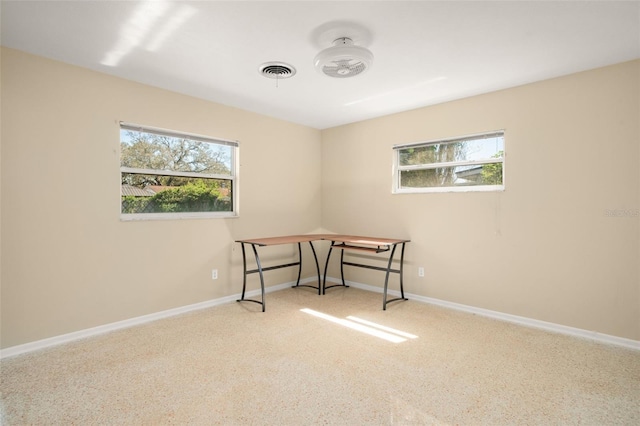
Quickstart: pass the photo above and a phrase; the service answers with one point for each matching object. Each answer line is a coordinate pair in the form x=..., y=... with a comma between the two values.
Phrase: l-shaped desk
x=338, y=242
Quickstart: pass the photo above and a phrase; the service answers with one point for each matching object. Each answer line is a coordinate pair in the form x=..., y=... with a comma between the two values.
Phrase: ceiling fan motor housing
x=343, y=59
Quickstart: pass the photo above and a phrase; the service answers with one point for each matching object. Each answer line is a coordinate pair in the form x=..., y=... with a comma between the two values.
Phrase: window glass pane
x=171, y=194
x=483, y=149
x=150, y=151
x=486, y=174
x=464, y=150
x=429, y=154
x=170, y=172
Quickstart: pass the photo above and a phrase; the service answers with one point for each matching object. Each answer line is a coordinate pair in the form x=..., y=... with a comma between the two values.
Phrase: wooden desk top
x=286, y=239
x=347, y=239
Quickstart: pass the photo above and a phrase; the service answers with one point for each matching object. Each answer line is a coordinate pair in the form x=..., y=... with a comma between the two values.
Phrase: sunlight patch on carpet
x=364, y=326
x=383, y=327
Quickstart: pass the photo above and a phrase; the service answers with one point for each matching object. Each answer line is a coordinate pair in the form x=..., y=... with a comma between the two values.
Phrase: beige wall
x=544, y=248
x=0, y=200
x=68, y=262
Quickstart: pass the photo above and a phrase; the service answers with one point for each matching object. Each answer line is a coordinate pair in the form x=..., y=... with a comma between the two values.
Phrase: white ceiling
x=426, y=52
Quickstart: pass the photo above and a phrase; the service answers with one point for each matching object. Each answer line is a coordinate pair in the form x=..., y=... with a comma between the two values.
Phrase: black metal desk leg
x=315, y=257
x=386, y=278
x=401, y=270
x=398, y=271
x=299, y=266
x=326, y=266
x=342, y=268
x=260, y=273
x=244, y=273
x=244, y=279
x=299, y=263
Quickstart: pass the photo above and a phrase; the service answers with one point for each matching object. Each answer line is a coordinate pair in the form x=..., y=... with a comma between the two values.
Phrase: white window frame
x=233, y=177
x=397, y=168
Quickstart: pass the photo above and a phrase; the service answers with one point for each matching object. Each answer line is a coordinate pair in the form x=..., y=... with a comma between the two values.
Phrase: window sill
x=176, y=216
x=484, y=188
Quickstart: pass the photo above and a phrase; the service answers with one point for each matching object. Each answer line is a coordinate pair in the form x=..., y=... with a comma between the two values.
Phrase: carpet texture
x=313, y=359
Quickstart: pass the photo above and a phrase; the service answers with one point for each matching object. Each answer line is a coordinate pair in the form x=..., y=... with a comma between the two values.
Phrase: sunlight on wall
x=364, y=326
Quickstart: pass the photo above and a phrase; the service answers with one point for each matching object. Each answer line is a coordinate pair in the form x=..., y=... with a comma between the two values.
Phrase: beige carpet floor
x=234, y=365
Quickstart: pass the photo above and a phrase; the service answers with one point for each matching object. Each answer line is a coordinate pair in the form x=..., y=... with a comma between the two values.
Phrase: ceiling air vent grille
x=277, y=70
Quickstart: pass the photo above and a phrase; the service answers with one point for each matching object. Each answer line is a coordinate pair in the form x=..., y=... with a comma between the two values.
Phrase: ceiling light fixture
x=343, y=59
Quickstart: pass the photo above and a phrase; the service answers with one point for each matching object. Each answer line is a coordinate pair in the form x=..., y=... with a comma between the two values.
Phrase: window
x=469, y=163
x=166, y=174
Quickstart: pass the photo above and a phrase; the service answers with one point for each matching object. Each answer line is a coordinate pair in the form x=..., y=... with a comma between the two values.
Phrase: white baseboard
x=94, y=331
x=528, y=322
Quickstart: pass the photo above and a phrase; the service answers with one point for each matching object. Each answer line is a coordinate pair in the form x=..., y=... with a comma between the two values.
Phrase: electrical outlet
x=214, y=274
x=421, y=271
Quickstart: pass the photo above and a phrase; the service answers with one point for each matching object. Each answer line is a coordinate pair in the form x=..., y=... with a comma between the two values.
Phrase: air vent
x=277, y=70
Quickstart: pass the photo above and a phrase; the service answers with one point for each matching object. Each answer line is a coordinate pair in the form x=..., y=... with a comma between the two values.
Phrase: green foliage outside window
x=192, y=197
x=492, y=173
x=172, y=164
